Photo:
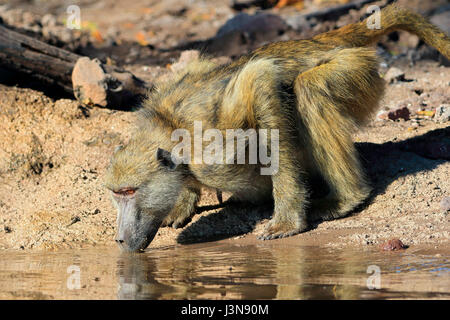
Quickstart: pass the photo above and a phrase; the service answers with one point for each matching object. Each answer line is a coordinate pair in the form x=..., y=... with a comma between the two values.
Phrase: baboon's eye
x=125, y=192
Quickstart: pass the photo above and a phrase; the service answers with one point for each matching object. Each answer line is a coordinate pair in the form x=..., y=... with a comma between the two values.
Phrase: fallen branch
x=334, y=13
x=91, y=82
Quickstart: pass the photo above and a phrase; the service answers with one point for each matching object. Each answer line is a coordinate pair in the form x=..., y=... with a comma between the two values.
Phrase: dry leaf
x=427, y=113
x=283, y=3
x=97, y=35
x=140, y=38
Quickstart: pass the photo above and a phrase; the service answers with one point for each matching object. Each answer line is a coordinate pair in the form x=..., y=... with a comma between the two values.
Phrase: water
x=222, y=270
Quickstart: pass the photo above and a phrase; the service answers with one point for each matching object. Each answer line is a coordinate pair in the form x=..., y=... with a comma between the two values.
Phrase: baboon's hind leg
x=333, y=99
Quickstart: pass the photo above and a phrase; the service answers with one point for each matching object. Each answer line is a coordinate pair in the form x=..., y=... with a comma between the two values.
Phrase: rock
x=400, y=113
x=394, y=75
x=113, y=32
x=28, y=19
x=442, y=113
x=442, y=20
x=97, y=84
x=298, y=22
x=89, y=82
x=48, y=20
x=415, y=124
x=445, y=204
x=246, y=32
x=65, y=35
x=185, y=58
x=382, y=115
x=260, y=23
x=393, y=244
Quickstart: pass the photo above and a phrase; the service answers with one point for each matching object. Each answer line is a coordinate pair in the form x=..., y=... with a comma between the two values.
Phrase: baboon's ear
x=165, y=159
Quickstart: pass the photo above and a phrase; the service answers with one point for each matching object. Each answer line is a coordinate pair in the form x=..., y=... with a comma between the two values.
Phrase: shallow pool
x=225, y=270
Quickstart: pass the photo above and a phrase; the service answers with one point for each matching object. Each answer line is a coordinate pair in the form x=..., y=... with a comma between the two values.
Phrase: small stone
x=298, y=22
x=74, y=220
x=185, y=58
x=400, y=113
x=394, y=74
x=442, y=20
x=442, y=113
x=113, y=32
x=445, y=204
x=48, y=20
x=89, y=82
x=393, y=244
x=259, y=23
x=66, y=35
x=382, y=115
x=28, y=18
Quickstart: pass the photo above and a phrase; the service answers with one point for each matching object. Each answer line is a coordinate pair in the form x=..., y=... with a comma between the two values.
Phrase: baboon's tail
x=392, y=18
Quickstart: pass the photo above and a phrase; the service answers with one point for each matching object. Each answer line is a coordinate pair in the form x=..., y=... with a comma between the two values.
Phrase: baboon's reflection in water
x=227, y=269
x=223, y=271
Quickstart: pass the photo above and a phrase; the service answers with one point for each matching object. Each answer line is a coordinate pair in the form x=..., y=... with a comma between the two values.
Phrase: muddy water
x=224, y=270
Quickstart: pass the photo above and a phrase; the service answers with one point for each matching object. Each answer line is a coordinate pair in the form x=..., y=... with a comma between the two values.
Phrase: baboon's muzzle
x=138, y=238
x=136, y=229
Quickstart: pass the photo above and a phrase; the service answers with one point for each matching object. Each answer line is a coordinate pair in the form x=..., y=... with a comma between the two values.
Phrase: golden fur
x=315, y=92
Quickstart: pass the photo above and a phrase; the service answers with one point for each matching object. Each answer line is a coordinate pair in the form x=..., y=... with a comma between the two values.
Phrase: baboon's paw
x=321, y=215
x=179, y=222
x=275, y=229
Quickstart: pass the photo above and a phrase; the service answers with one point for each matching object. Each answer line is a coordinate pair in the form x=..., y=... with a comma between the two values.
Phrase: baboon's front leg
x=184, y=208
x=290, y=197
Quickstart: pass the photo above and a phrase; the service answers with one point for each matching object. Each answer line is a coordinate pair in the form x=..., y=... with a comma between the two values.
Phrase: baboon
x=315, y=92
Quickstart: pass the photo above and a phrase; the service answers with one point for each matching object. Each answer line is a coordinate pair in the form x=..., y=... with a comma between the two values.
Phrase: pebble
x=442, y=113
x=48, y=20
x=185, y=58
x=445, y=204
x=442, y=20
x=400, y=113
x=393, y=244
x=382, y=115
x=89, y=80
x=257, y=23
x=394, y=74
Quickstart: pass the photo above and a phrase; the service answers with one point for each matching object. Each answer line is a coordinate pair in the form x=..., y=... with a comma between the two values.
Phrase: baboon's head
x=144, y=184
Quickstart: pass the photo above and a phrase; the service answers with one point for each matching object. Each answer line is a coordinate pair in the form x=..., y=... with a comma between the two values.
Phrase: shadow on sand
x=383, y=163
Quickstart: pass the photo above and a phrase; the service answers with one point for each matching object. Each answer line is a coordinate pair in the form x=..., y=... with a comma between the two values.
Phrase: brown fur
x=316, y=92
